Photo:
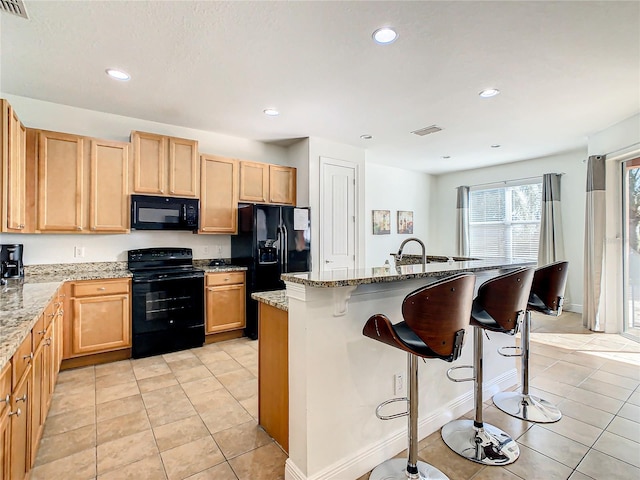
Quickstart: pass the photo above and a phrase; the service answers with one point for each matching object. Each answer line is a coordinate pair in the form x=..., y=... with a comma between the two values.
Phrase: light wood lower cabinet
x=225, y=302
x=5, y=421
x=273, y=373
x=101, y=316
x=20, y=448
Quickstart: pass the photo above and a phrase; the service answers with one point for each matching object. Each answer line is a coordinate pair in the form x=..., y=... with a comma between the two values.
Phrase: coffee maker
x=11, y=265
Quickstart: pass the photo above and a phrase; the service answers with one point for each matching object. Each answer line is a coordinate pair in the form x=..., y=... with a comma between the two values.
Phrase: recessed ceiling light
x=118, y=74
x=366, y=137
x=272, y=112
x=385, y=35
x=495, y=145
x=445, y=157
x=489, y=92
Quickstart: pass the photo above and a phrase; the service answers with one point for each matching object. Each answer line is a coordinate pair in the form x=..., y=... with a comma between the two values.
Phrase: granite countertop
x=23, y=300
x=277, y=298
x=21, y=304
x=345, y=278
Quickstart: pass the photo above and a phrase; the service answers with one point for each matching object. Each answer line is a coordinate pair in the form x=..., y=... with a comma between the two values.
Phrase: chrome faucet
x=398, y=256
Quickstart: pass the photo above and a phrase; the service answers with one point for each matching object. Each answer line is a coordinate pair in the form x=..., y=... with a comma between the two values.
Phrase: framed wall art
x=405, y=222
x=381, y=221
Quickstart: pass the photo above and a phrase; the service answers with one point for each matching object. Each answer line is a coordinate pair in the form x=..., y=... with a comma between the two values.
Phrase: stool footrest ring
x=395, y=415
x=454, y=379
x=502, y=351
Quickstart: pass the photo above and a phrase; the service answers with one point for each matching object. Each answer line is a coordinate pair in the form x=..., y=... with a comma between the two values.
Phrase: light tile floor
x=192, y=414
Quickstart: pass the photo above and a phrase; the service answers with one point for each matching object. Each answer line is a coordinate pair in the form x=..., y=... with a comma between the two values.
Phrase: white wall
x=319, y=147
x=298, y=155
x=443, y=207
x=389, y=188
x=47, y=248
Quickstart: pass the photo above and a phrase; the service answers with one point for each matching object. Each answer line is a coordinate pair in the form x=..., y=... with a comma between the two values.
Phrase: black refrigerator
x=271, y=240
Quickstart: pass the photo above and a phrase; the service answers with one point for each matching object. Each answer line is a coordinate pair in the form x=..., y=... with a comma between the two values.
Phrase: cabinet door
x=254, y=182
x=100, y=324
x=225, y=308
x=5, y=443
x=148, y=163
x=60, y=182
x=183, y=167
x=16, y=173
x=282, y=185
x=109, y=187
x=19, y=414
x=218, y=195
x=37, y=383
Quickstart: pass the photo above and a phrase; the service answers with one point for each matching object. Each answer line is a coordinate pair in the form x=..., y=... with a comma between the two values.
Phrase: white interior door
x=338, y=215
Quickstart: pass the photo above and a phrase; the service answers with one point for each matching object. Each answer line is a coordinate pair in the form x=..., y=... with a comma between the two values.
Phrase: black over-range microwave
x=164, y=213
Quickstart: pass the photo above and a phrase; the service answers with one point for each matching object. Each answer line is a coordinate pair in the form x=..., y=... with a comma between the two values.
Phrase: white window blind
x=504, y=221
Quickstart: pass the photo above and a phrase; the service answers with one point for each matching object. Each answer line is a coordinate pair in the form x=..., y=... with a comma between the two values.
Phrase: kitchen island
x=337, y=376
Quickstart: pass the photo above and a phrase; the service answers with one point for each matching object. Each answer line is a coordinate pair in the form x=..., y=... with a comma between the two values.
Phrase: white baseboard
x=377, y=452
x=572, y=307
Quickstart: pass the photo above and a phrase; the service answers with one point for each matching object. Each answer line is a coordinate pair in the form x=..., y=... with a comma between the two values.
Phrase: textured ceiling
x=565, y=69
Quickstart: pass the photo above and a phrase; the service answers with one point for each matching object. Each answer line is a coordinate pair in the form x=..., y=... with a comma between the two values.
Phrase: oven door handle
x=168, y=278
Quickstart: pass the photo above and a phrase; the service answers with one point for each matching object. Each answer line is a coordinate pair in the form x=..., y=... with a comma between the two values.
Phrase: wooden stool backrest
x=549, y=283
x=437, y=311
x=505, y=297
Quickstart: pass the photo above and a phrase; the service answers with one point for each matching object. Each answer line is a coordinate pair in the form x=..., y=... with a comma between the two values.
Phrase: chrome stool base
x=527, y=407
x=396, y=469
x=487, y=445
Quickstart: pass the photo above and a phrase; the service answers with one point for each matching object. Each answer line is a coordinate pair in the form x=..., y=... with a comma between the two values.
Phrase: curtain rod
x=504, y=182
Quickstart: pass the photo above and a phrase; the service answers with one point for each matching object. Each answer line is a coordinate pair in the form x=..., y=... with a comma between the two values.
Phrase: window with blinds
x=505, y=221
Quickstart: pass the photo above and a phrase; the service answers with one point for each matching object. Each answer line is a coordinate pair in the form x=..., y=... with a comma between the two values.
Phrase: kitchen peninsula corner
x=337, y=377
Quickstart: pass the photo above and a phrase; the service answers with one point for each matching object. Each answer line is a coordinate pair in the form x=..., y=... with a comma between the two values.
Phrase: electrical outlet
x=205, y=250
x=78, y=252
x=398, y=383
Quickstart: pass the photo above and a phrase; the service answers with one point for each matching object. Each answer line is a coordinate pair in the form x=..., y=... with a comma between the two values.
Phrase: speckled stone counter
x=276, y=299
x=412, y=259
x=20, y=306
x=23, y=300
x=363, y=276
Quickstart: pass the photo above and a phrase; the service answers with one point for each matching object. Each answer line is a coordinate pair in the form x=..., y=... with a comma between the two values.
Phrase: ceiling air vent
x=15, y=7
x=427, y=130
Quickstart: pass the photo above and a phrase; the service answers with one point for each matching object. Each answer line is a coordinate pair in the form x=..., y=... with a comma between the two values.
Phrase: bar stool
x=435, y=318
x=547, y=296
x=499, y=306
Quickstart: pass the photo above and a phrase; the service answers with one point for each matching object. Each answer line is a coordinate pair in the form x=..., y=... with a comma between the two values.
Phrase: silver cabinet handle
x=78, y=228
x=29, y=357
x=41, y=332
x=7, y=399
x=101, y=289
x=22, y=398
x=21, y=226
x=47, y=342
x=18, y=412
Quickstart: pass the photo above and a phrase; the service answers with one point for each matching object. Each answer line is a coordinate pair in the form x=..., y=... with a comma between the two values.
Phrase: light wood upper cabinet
x=218, y=194
x=101, y=317
x=265, y=183
x=108, y=201
x=12, y=171
x=61, y=192
x=82, y=184
x=254, y=182
x=165, y=165
x=282, y=185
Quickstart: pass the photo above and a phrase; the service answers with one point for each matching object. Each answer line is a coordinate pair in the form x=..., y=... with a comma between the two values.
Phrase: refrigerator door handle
x=285, y=249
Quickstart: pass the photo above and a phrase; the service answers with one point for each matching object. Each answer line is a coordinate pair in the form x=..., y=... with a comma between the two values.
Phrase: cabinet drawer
x=39, y=329
x=5, y=387
x=92, y=288
x=21, y=360
x=225, y=278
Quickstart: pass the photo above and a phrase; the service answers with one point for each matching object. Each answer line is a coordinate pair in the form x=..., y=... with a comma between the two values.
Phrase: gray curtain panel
x=462, y=222
x=551, y=244
x=594, y=244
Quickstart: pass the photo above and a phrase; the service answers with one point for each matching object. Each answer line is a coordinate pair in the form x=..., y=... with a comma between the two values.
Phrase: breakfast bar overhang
x=337, y=377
